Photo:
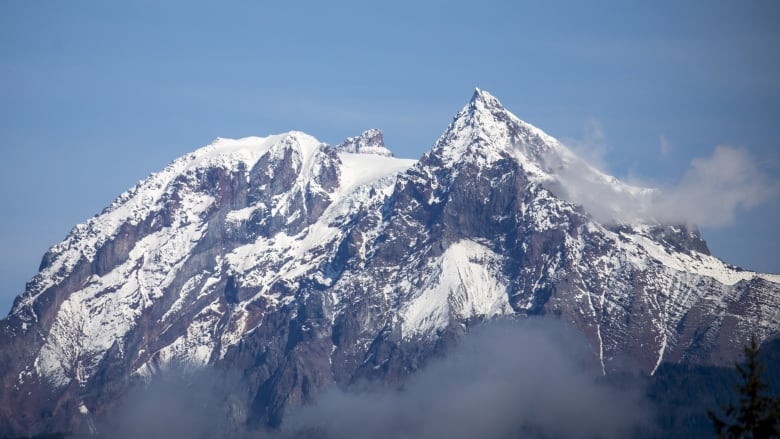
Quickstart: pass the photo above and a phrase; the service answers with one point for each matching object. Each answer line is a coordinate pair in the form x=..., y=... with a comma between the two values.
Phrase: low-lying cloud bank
x=532, y=378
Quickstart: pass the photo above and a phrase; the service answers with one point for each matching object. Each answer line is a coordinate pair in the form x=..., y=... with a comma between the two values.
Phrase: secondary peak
x=368, y=142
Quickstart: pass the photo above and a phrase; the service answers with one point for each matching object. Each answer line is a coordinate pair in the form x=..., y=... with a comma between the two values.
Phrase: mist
x=533, y=378
x=530, y=378
x=176, y=404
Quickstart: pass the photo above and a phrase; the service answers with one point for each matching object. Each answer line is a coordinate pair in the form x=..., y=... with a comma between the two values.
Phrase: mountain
x=290, y=265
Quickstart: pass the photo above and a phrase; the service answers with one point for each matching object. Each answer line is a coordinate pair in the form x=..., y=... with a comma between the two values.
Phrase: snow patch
x=463, y=283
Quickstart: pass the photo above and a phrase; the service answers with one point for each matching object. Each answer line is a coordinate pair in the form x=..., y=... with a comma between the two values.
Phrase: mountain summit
x=289, y=265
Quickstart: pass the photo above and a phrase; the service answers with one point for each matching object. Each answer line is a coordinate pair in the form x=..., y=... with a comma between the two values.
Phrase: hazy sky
x=96, y=95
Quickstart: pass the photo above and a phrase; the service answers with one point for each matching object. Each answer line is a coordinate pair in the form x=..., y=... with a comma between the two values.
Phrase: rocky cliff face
x=289, y=265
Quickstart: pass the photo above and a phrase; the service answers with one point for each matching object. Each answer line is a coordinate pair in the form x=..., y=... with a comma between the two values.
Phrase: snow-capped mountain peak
x=296, y=265
x=482, y=97
x=368, y=142
x=486, y=132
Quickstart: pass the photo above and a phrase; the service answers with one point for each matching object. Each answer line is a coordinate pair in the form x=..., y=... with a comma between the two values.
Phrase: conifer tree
x=757, y=415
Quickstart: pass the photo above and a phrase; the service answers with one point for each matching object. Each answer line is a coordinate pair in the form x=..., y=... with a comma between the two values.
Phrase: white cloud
x=710, y=193
x=715, y=188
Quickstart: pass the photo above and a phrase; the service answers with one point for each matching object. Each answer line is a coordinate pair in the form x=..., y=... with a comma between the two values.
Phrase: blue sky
x=94, y=96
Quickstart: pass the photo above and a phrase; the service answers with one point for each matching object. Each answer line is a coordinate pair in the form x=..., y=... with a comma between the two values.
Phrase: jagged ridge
x=299, y=264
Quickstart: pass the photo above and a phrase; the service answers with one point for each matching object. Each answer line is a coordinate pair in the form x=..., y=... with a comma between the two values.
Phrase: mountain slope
x=290, y=265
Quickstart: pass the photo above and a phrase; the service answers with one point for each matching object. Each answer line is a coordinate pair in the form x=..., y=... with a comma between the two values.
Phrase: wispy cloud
x=710, y=193
x=665, y=145
x=592, y=147
x=715, y=188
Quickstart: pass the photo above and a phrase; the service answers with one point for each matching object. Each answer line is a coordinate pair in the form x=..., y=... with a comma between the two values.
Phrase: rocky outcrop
x=368, y=142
